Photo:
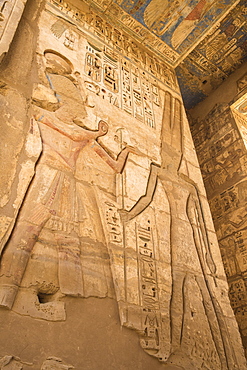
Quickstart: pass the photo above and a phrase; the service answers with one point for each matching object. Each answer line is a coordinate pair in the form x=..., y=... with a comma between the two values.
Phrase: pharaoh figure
x=193, y=294
x=54, y=207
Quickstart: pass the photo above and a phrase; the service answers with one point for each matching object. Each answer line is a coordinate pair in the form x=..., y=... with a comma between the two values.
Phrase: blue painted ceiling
x=205, y=40
x=178, y=23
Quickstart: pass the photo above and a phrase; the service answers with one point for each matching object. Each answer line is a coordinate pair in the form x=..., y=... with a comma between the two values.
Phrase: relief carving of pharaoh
x=54, y=211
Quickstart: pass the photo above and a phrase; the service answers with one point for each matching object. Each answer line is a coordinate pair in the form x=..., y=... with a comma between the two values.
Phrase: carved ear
x=103, y=128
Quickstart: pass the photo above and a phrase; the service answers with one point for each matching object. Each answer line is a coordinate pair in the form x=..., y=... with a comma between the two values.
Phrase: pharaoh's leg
x=17, y=251
x=178, y=228
x=177, y=309
x=212, y=308
x=70, y=269
x=216, y=323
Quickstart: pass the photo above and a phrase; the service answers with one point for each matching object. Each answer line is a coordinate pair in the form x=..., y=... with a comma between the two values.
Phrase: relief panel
x=87, y=228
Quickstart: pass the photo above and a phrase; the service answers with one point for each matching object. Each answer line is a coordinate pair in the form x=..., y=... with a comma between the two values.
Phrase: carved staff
x=121, y=196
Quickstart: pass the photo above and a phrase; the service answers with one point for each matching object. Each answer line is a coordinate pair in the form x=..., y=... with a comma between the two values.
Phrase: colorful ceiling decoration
x=215, y=57
x=178, y=23
x=205, y=40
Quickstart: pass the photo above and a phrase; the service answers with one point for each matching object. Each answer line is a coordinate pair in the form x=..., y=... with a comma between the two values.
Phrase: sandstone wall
x=105, y=219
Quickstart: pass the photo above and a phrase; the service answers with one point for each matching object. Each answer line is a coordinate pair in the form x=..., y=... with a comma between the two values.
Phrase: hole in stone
x=204, y=82
x=44, y=298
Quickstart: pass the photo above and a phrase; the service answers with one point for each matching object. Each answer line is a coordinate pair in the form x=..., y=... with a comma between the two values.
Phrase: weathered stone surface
x=10, y=15
x=116, y=209
x=20, y=136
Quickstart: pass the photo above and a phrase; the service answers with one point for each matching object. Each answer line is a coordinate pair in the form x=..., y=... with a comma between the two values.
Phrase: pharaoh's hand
x=134, y=150
x=124, y=215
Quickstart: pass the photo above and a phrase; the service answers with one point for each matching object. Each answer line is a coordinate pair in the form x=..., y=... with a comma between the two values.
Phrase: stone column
x=220, y=141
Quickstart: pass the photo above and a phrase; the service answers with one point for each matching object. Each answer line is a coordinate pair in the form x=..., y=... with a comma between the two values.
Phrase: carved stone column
x=221, y=143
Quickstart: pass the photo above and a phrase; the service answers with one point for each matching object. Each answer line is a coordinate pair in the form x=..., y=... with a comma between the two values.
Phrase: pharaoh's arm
x=67, y=130
x=118, y=164
x=146, y=199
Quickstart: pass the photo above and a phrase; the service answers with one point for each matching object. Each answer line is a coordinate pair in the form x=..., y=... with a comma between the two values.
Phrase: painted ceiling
x=205, y=40
x=178, y=23
x=215, y=57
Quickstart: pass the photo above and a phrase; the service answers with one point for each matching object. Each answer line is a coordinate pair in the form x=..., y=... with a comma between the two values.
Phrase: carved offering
x=115, y=214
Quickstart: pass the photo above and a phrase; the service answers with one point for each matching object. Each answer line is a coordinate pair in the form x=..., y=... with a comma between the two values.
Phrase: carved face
x=71, y=106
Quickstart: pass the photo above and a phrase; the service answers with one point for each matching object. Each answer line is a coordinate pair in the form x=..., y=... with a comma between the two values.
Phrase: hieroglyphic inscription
x=113, y=223
x=147, y=267
x=6, y=8
x=242, y=82
x=146, y=91
x=137, y=95
x=70, y=39
x=60, y=30
x=118, y=40
x=229, y=210
x=225, y=201
x=148, y=286
x=220, y=142
x=204, y=130
x=93, y=65
x=237, y=293
x=121, y=83
x=234, y=253
x=240, y=116
x=110, y=77
x=126, y=87
x=217, y=147
x=223, y=161
x=155, y=94
x=141, y=33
